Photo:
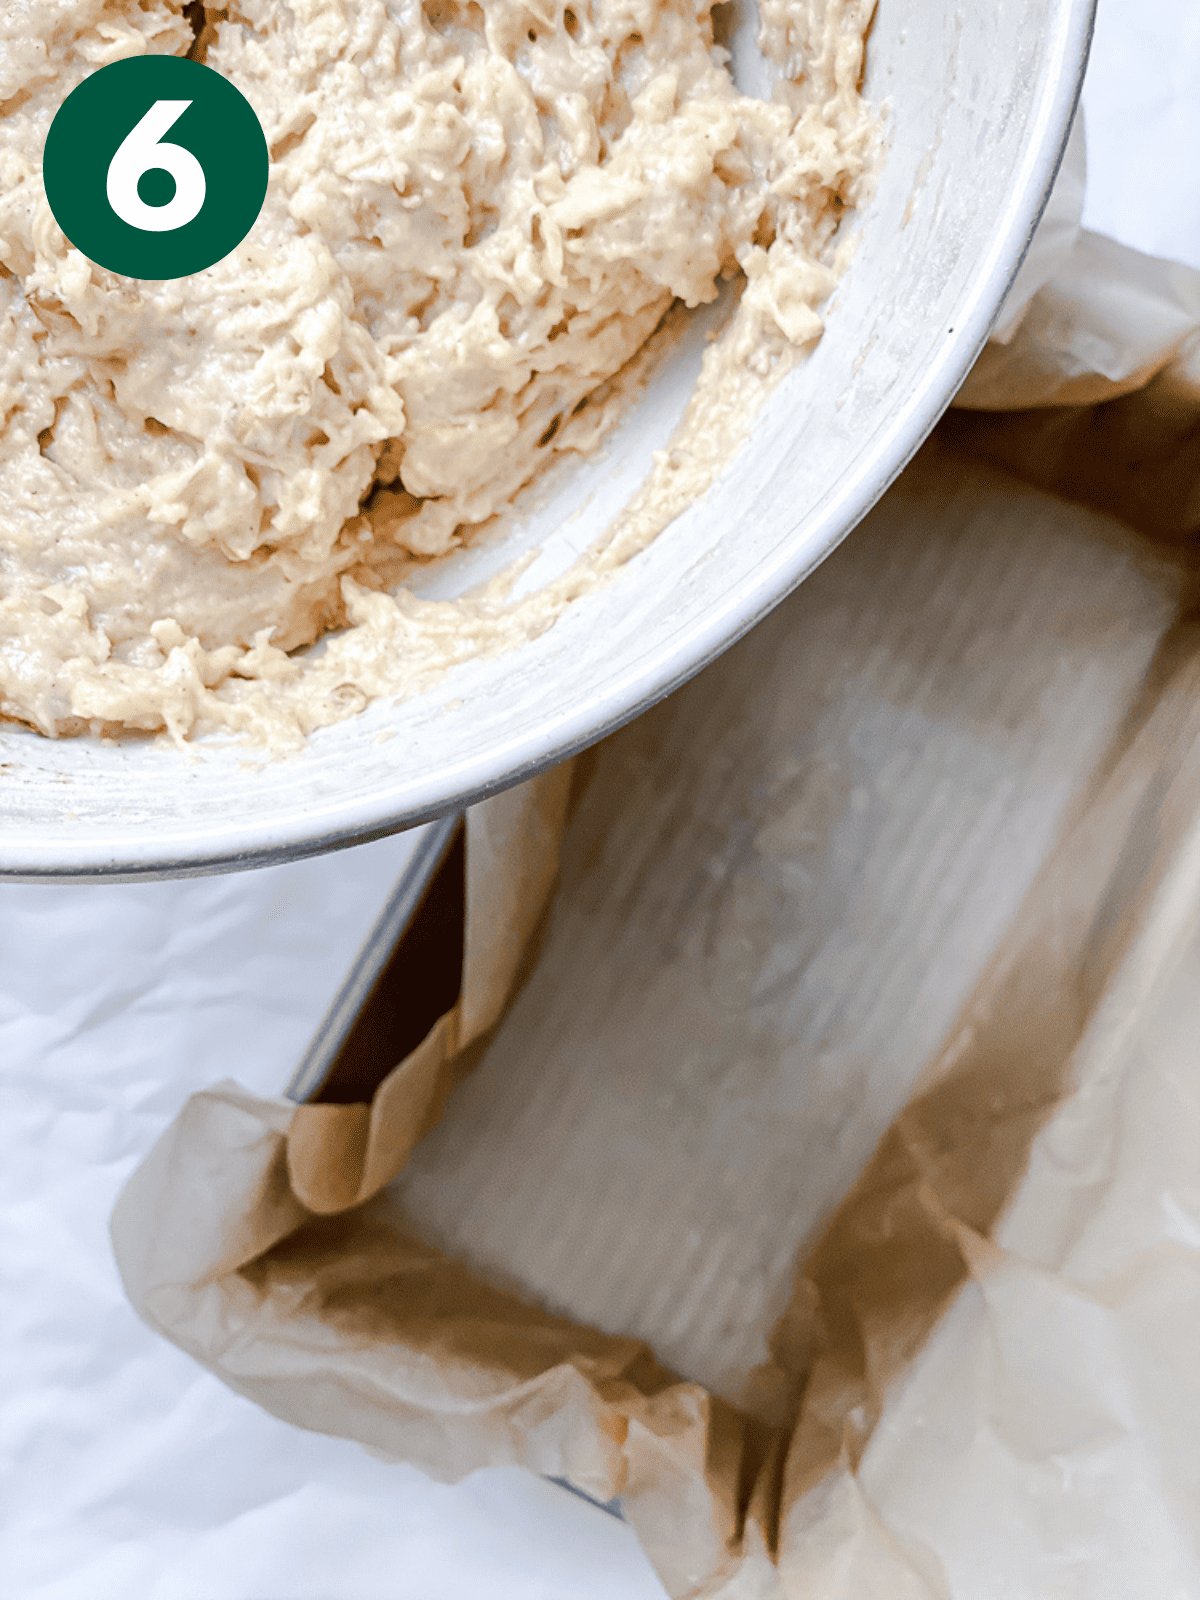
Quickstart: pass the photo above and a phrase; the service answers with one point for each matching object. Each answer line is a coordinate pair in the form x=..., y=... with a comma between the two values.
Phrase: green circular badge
x=155, y=167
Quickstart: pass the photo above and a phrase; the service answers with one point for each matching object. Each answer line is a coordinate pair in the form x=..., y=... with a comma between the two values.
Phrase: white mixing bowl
x=979, y=97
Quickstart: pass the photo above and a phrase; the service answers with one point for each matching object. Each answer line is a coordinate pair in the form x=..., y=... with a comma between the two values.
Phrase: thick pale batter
x=477, y=215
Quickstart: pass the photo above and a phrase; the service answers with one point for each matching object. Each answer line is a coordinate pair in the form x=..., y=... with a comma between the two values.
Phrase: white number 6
x=139, y=152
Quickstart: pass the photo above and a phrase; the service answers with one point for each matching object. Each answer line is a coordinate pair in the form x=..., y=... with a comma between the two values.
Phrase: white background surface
x=127, y=1472
x=1141, y=104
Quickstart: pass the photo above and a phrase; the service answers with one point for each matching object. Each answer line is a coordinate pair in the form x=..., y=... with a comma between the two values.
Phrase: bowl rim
x=421, y=797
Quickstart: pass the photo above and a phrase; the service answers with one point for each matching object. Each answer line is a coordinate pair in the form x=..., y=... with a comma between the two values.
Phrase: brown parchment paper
x=828, y=1191
x=1097, y=394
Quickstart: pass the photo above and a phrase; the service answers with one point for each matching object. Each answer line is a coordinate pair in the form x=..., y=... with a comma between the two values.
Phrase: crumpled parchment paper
x=827, y=1192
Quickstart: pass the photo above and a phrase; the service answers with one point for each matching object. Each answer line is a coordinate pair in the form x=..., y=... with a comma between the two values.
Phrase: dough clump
x=477, y=215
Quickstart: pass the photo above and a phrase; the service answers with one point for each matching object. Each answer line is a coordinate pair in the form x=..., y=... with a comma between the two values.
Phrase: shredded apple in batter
x=477, y=215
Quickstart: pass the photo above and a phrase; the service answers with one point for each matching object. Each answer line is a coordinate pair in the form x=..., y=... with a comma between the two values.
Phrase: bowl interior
x=978, y=101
